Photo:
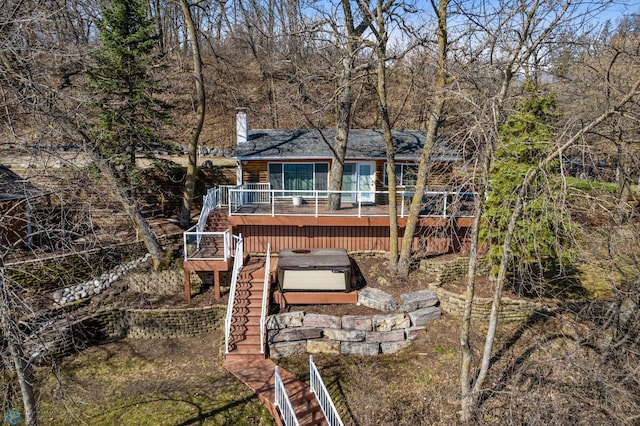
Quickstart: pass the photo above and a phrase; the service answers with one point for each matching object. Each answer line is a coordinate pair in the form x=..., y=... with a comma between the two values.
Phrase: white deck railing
x=194, y=241
x=243, y=201
x=322, y=395
x=209, y=202
x=237, y=266
x=283, y=402
x=265, y=298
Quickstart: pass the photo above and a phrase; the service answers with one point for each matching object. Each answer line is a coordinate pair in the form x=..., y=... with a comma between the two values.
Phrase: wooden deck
x=314, y=298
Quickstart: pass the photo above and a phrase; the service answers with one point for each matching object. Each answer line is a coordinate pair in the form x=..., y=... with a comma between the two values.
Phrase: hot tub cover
x=324, y=258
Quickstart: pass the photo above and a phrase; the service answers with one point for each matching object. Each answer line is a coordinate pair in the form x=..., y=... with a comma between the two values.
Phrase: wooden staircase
x=247, y=363
x=244, y=338
x=218, y=221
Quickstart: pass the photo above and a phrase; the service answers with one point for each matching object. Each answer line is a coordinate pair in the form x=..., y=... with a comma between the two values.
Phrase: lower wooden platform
x=314, y=298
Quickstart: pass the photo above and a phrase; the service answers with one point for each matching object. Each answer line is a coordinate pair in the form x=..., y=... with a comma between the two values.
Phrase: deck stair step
x=258, y=375
x=218, y=221
x=244, y=359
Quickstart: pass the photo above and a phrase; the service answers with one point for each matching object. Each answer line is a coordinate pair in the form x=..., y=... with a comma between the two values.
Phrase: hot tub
x=314, y=270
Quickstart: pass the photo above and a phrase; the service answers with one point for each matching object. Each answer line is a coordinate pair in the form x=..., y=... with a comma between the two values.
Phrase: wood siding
x=257, y=171
x=256, y=237
x=357, y=238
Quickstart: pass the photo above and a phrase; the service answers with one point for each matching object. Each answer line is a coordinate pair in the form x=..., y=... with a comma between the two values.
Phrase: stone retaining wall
x=455, y=269
x=162, y=283
x=166, y=323
x=133, y=323
x=510, y=309
x=453, y=303
x=293, y=333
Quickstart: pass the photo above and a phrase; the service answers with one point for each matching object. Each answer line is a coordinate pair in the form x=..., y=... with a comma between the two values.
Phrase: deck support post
x=187, y=285
x=216, y=285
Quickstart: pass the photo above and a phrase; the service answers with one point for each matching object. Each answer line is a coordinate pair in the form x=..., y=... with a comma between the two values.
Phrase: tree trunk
x=381, y=72
x=345, y=102
x=435, y=119
x=192, y=166
x=13, y=340
x=343, y=113
x=466, y=355
x=130, y=206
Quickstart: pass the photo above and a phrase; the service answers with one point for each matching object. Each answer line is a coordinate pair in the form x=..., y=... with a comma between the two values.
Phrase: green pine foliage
x=129, y=111
x=544, y=227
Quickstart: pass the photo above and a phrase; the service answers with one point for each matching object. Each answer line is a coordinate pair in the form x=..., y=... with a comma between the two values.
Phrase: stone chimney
x=242, y=128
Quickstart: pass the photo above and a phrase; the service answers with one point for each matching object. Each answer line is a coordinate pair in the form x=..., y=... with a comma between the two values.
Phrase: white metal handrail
x=265, y=294
x=258, y=192
x=190, y=248
x=283, y=402
x=237, y=266
x=223, y=194
x=209, y=203
x=322, y=395
x=435, y=203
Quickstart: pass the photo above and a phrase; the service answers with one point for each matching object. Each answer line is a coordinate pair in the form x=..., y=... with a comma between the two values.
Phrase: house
x=280, y=197
x=16, y=194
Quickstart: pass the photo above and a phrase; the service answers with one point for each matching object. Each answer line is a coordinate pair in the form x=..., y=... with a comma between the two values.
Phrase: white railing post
x=184, y=246
x=237, y=265
x=444, y=204
x=283, y=402
x=265, y=301
x=322, y=395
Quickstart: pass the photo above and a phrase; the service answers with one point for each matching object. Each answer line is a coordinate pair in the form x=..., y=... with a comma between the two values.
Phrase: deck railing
x=237, y=266
x=206, y=245
x=243, y=201
x=265, y=298
x=322, y=395
x=209, y=202
x=283, y=402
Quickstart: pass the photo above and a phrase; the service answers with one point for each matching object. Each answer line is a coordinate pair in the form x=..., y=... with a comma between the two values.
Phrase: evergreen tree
x=129, y=111
x=545, y=226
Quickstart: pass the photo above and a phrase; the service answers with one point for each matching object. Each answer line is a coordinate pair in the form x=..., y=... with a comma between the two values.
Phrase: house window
x=299, y=177
x=406, y=175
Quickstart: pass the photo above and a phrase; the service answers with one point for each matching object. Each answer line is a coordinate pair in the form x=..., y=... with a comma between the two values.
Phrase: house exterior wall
x=256, y=171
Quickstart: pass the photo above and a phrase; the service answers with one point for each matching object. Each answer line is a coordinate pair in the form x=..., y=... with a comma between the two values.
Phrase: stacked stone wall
x=293, y=333
x=453, y=303
x=166, y=323
x=510, y=309
x=131, y=323
x=452, y=270
x=163, y=282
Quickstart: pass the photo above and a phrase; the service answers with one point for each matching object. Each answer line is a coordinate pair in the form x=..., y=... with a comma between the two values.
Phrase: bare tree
x=531, y=39
x=380, y=14
x=350, y=47
x=192, y=167
x=440, y=87
x=12, y=340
